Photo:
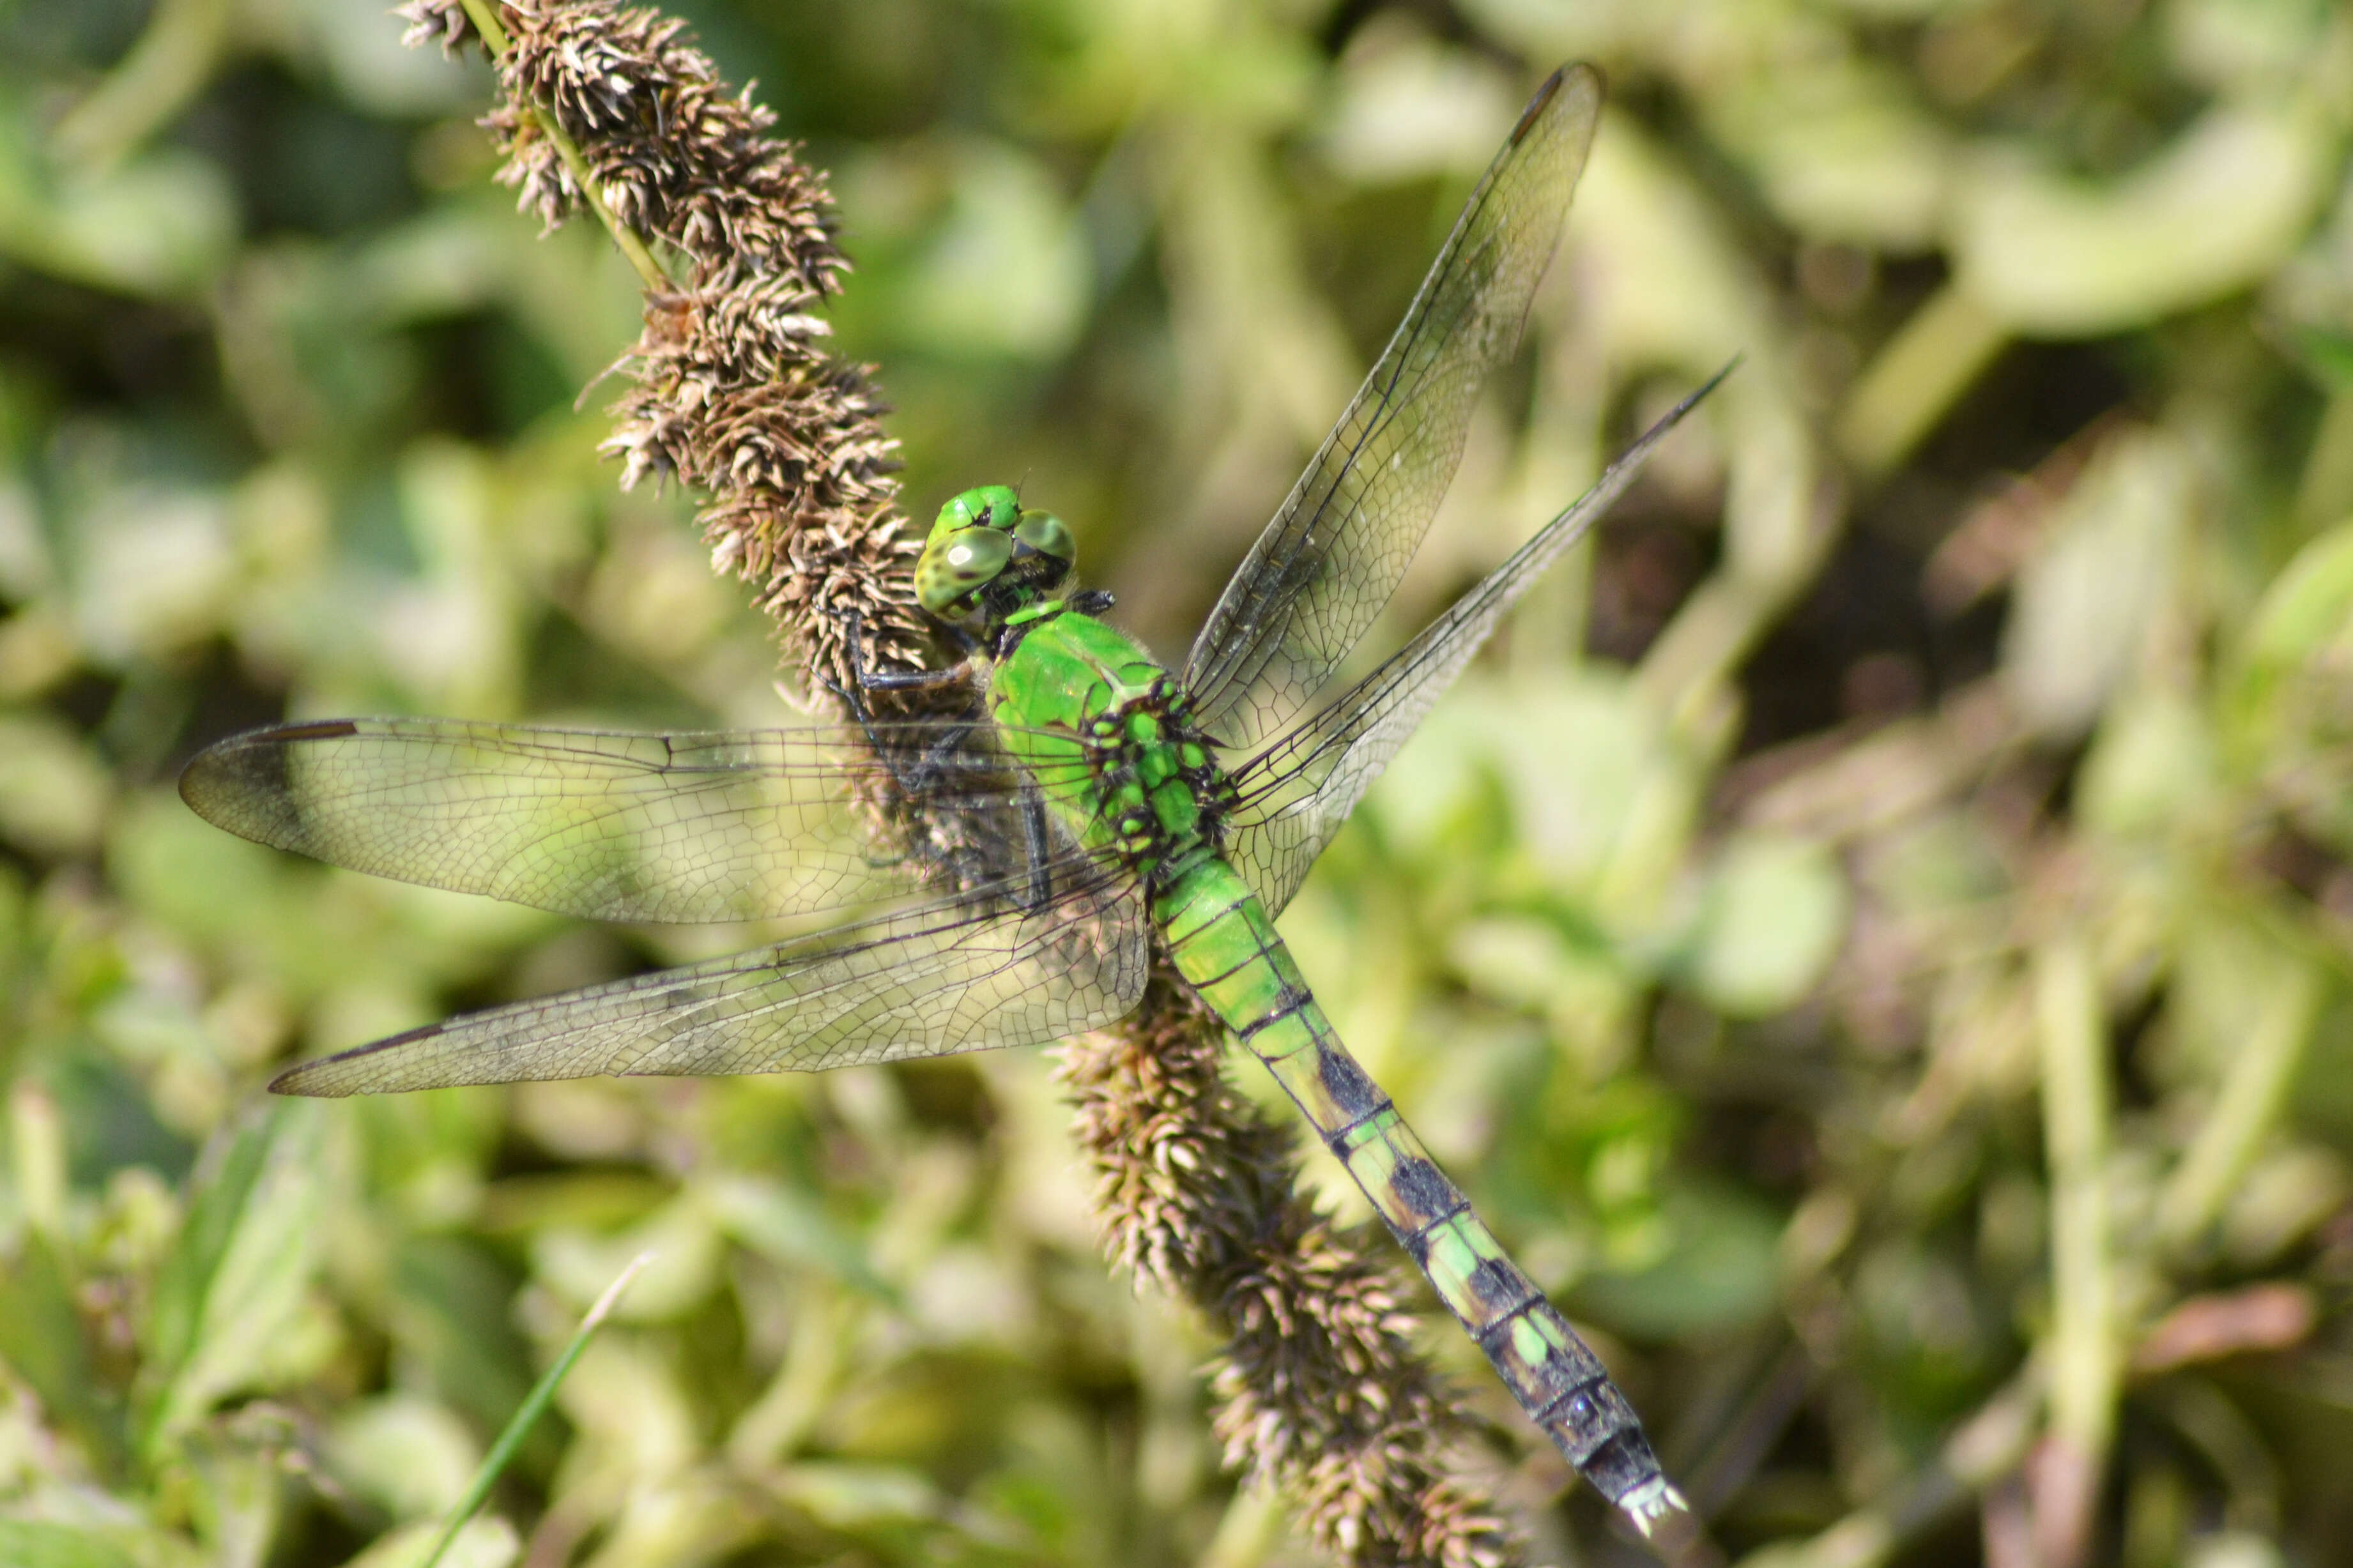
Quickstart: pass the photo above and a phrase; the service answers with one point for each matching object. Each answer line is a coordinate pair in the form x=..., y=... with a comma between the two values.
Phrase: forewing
x=927, y=982
x=1331, y=557
x=723, y=825
x=1295, y=794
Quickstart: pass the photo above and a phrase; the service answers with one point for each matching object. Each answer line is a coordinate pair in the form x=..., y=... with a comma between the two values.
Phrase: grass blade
x=502, y=1452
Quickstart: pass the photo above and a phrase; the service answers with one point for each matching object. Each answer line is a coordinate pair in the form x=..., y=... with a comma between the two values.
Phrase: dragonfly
x=1086, y=812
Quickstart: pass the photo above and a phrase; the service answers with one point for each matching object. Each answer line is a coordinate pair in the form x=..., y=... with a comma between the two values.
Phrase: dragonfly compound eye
x=954, y=564
x=987, y=506
x=1047, y=534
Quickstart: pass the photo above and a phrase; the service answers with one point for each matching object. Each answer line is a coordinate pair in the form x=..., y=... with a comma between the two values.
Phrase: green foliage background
x=1871, y=937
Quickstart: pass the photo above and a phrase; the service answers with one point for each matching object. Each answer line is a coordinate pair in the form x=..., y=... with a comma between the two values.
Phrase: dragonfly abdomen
x=1224, y=944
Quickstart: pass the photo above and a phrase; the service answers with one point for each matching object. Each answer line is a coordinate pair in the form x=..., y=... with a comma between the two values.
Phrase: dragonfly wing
x=1335, y=553
x=724, y=826
x=922, y=982
x=1295, y=794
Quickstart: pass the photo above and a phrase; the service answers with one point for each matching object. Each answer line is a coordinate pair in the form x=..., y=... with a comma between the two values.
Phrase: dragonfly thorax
x=1109, y=736
x=1159, y=795
x=988, y=555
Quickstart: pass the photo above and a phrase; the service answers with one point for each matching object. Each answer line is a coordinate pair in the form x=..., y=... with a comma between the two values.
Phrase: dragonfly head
x=984, y=541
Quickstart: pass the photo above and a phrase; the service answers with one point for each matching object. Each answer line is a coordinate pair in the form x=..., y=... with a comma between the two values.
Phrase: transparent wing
x=1295, y=794
x=726, y=825
x=925, y=982
x=1320, y=574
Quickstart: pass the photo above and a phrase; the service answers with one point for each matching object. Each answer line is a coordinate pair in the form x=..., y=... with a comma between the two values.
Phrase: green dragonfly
x=1088, y=808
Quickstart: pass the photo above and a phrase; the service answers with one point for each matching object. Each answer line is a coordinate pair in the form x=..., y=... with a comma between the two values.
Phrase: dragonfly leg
x=854, y=622
x=1033, y=834
x=943, y=758
x=940, y=758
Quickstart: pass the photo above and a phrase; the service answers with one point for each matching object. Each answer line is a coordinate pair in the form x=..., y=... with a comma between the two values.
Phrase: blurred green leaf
x=2306, y=615
x=774, y=1220
x=406, y=1454
x=525, y=1419
x=1771, y=915
x=1003, y=270
x=232, y=1310
x=1715, y=1270
x=860, y=1494
x=2152, y=765
x=1417, y=108
x=161, y=224
x=52, y=793
x=2252, y=46
x=2092, y=598
x=447, y=1306
x=682, y=1240
x=2330, y=354
x=185, y=1285
x=42, y=1341
x=483, y=1543
x=26, y=1544
x=1843, y=155
x=2212, y=213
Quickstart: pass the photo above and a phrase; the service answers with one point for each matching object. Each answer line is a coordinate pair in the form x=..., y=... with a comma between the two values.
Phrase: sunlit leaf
x=1771, y=916
x=2090, y=600
x=2212, y=213
x=237, y=1316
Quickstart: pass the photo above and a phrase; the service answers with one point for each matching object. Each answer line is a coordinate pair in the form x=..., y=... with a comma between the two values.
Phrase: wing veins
x=718, y=826
x=1372, y=719
x=673, y=1020
x=1289, y=618
x=1384, y=412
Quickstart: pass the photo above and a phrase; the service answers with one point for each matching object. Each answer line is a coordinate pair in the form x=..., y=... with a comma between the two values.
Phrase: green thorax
x=1080, y=705
x=1103, y=728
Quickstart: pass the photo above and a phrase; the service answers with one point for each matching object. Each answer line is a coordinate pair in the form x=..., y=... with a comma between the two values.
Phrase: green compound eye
x=1045, y=533
x=994, y=506
x=954, y=564
x=978, y=535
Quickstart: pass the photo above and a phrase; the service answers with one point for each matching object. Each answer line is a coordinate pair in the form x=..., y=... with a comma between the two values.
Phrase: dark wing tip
x=1691, y=399
x=1584, y=73
x=195, y=782
x=324, y=1078
x=242, y=783
x=304, y=1078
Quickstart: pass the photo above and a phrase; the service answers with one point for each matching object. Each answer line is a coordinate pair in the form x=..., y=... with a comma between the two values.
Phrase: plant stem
x=2255, y=1090
x=2082, y=1350
x=483, y=13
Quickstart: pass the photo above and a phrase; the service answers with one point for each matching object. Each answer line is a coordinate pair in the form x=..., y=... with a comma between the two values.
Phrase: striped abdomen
x=1223, y=943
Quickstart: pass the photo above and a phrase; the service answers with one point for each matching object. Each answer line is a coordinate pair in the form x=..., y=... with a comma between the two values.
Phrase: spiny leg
x=937, y=760
x=943, y=757
x=1034, y=838
x=863, y=679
